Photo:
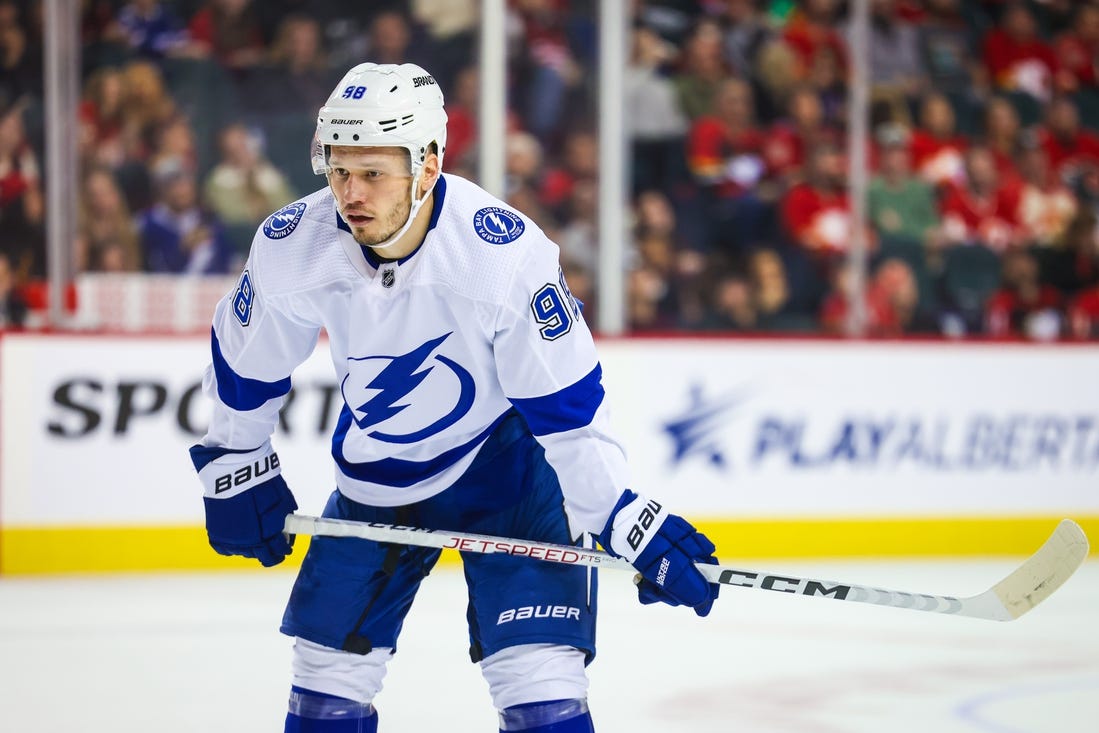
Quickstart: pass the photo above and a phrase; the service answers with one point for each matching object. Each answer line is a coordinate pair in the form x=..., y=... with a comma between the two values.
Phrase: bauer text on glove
x=246, y=502
x=664, y=548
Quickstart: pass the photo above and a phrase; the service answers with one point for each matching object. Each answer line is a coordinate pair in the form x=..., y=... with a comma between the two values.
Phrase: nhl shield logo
x=389, y=276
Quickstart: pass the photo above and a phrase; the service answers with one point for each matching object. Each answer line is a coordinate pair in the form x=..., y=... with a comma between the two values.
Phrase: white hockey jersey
x=430, y=352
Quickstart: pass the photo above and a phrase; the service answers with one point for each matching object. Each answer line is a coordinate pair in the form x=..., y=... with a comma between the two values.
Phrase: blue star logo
x=695, y=432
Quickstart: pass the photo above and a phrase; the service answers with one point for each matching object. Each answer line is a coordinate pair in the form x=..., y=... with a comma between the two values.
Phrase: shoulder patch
x=284, y=221
x=497, y=226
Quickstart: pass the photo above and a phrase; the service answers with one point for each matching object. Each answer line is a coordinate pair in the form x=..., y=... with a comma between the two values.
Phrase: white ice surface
x=201, y=653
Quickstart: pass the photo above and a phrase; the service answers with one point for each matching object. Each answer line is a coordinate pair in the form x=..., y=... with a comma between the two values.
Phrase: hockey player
x=472, y=400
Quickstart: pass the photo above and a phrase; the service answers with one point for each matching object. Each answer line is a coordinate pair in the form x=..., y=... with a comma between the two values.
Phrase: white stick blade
x=1045, y=571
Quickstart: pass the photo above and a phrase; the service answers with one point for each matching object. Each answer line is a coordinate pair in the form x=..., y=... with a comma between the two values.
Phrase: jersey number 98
x=551, y=312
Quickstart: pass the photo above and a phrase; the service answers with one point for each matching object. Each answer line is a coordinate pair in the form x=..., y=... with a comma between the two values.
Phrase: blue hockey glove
x=247, y=502
x=663, y=547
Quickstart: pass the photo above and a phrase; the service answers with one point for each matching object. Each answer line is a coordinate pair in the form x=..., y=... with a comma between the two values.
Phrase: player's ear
x=431, y=171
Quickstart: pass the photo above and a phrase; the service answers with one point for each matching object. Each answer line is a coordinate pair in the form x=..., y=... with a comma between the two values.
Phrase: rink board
x=777, y=448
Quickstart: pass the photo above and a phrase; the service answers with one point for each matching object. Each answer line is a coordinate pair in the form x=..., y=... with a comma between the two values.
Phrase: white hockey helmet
x=383, y=105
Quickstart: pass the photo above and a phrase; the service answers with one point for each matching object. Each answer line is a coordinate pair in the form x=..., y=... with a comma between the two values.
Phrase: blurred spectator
x=662, y=246
x=648, y=305
x=20, y=62
x=901, y=206
x=1017, y=58
x=13, y=309
x=177, y=234
x=579, y=161
x=812, y=29
x=525, y=177
x=579, y=236
x=938, y=151
x=746, y=34
x=1074, y=266
x=894, y=284
x=108, y=232
x=1045, y=204
x=548, y=72
x=817, y=212
x=102, y=119
x=230, y=31
x=880, y=318
x=724, y=152
x=462, y=110
x=389, y=37
x=702, y=69
x=790, y=140
x=829, y=81
x=244, y=187
x=523, y=161
x=944, y=40
x=1072, y=150
x=657, y=126
x=731, y=307
x=771, y=299
x=893, y=307
x=1077, y=49
x=1083, y=315
x=22, y=210
x=295, y=69
x=147, y=108
x=147, y=28
x=451, y=28
x=980, y=210
x=175, y=141
x=463, y=113
x=1024, y=306
x=895, y=66
x=1002, y=134
x=776, y=74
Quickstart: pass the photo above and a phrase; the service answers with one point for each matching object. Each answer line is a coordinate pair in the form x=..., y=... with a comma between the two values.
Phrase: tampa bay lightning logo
x=696, y=432
x=416, y=395
x=497, y=226
x=284, y=221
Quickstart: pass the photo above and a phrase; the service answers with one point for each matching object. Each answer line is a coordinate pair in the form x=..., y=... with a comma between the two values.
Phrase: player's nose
x=356, y=190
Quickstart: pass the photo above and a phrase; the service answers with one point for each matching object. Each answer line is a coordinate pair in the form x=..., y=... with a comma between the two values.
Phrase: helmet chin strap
x=412, y=211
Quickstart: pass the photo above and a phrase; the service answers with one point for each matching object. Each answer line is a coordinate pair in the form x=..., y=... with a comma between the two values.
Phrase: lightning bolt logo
x=396, y=381
x=497, y=225
x=284, y=221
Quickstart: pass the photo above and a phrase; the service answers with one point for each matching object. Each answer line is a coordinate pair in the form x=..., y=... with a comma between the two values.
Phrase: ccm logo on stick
x=783, y=585
x=644, y=521
x=245, y=474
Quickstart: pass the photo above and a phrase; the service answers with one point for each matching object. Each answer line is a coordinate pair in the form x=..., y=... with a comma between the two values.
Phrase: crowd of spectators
x=196, y=116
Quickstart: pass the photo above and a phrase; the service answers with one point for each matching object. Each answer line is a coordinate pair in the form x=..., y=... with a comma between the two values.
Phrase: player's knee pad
x=315, y=712
x=535, y=672
x=330, y=671
x=551, y=716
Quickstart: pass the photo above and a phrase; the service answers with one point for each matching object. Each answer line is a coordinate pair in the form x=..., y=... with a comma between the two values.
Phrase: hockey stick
x=1027, y=586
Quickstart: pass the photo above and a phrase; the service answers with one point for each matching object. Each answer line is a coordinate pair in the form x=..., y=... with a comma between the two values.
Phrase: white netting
x=141, y=302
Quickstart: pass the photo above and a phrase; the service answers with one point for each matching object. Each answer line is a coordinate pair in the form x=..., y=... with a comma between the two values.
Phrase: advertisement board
x=777, y=445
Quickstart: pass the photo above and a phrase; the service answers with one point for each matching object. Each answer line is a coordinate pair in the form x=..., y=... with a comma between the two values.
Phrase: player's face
x=372, y=190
